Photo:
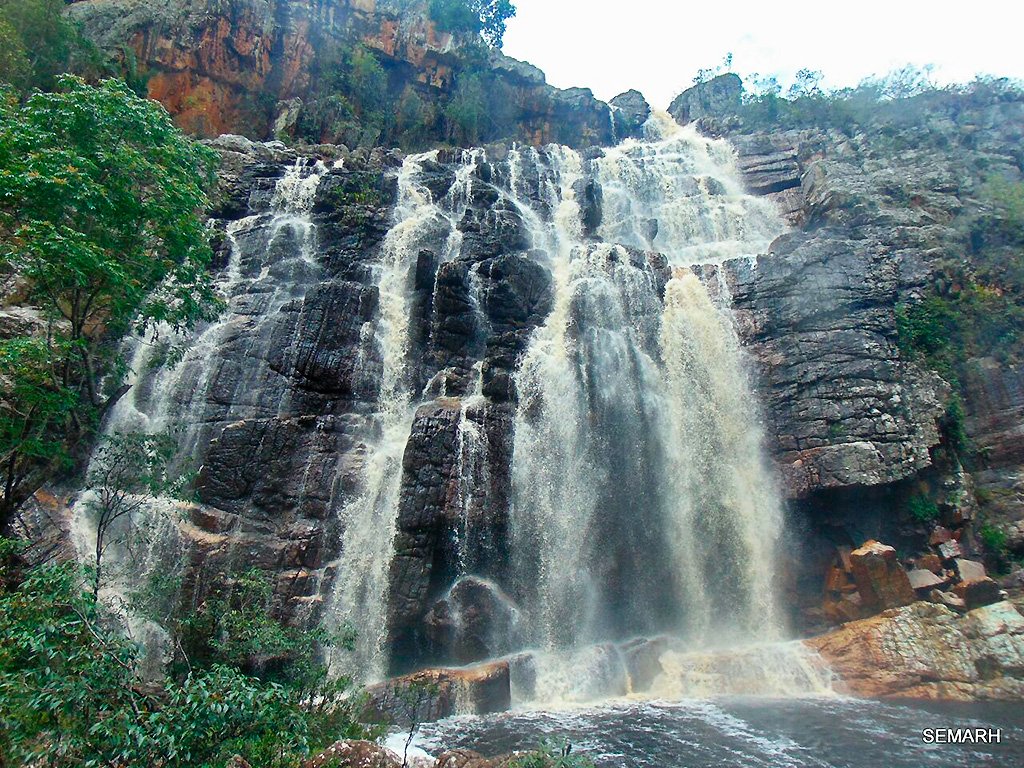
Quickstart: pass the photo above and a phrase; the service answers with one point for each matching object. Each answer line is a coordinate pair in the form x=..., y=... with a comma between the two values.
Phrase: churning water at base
x=741, y=732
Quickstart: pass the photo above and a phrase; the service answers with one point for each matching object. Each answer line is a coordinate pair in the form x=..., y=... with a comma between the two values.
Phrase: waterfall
x=625, y=508
x=272, y=260
x=642, y=502
x=359, y=598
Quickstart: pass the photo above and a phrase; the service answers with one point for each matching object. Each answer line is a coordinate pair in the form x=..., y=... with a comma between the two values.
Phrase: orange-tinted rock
x=223, y=67
x=848, y=607
x=940, y=536
x=928, y=651
x=881, y=580
x=930, y=562
x=432, y=694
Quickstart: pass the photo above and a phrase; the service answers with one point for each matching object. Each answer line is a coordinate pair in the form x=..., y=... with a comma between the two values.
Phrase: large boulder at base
x=881, y=581
x=433, y=694
x=352, y=753
x=474, y=621
x=927, y=651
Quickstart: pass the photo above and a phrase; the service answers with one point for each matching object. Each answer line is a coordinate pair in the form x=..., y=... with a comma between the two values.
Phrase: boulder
x=950, y=550
x=466, y=758
x=847, y=607
x=433, y=694
x=474, y=621
x=947, y=599
x=978, y=592
x=353, y=753
x=927, y=651
x=930, y=562
x=922, y=579
x=642, y=658
x=881, y=581
x=969, y=570
x=940, y=535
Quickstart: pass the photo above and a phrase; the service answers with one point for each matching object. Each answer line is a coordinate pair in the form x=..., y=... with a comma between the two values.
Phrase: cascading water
x=360, y=594
x=641, y=504
x=642, y=501
x=271, y=261
x=637, y=501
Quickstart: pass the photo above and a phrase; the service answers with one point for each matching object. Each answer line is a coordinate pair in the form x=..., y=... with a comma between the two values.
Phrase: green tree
x=127, y=472
x=486, y=18
x=70, y=694
x=100, y=203
x=467, y=109
x=38, y=43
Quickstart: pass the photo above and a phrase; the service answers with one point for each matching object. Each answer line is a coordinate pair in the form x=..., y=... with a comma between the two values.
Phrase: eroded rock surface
x=246, y=66
x=927, y=651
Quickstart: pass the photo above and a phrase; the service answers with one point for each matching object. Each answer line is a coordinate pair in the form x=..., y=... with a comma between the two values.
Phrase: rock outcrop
x=255, y=67
x=432, y=694
x=927, y=651
x=354, y=753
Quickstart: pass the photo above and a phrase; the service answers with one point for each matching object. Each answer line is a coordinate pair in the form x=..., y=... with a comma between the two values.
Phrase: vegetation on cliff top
x=480, y=17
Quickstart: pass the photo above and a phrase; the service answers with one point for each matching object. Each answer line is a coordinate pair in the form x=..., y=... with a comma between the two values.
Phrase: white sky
x=657, y=46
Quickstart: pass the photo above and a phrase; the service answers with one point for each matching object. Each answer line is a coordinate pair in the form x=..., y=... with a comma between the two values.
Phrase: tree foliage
x=100, y=203
x=38, y=43
x=486, y=18
x=70, y=693
x=127, y=472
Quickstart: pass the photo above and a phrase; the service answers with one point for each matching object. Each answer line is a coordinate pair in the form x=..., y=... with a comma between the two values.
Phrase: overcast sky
x=657, y=46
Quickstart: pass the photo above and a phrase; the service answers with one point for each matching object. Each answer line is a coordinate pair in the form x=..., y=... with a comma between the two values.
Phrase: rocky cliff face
x=879, y=217
x=245, y=66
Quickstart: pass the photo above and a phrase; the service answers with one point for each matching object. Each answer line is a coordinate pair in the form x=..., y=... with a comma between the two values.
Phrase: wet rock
x=474, y=621
x=643, y=660
x=978, y=592
x=630, y=112
x=881, y=581
x=927, y=651
x=465, y=758
x=432, y=694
